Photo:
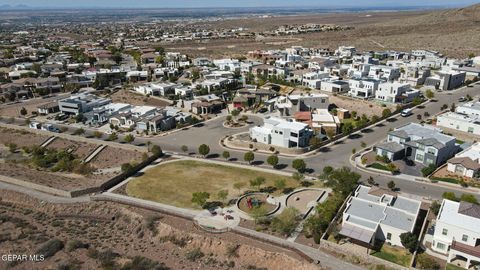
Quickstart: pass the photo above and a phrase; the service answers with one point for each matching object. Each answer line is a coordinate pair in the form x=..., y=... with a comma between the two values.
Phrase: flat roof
x=449, y=213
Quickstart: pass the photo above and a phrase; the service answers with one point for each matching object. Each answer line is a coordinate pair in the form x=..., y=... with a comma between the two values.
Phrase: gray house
x=421, y=143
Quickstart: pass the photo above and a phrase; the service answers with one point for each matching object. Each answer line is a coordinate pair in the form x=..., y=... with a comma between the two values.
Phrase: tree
x=371, y=181
x=156, y=150
x=129, y=138
x=347, y=128
x=235, y=113
x=113, y=137
x=429, y=94
x=200, y=198
x=453, y=107
x=258, y=213
x=98, y=134
x=449, y=196
x=249, y=157
x=468, y=198
x=391, y=185
x=280, y=184
x=299, y=165
x=416, y=101
x=272, y=161
x=386, y=113
x=127, y=168
x=239, y=185
x=286, y=222
x=343, y=180
x=222, y=195
x=12, y=147
x=330, y=133
x=23, y=111
x=435, y=207
x=203, y=150
x=298, y=176
x=226, y=155
x=257, y=182
x=315, y=142
x=184, y=148
x=409, y=241
x=79, y=131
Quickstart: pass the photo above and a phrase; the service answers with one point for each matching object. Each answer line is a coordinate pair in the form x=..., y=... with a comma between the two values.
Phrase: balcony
x=470, y=250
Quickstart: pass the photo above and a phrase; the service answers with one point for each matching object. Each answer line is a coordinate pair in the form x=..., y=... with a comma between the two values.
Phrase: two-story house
x=457, y=232
x=283, y=133
x=421, y=143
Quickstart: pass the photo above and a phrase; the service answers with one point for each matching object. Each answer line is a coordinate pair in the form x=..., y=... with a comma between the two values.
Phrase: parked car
x=462, y=99
x=406, y=112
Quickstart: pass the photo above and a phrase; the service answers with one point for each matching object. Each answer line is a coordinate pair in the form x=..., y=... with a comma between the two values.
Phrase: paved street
x=336, y=155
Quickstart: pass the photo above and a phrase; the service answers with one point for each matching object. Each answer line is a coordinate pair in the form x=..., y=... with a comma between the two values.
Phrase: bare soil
x=455, y=33
x=21, y=137
x=128, y=232
x=126, y=96
x=111, y=157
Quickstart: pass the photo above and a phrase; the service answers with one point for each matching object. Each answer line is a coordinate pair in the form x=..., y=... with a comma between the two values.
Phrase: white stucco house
x=457, y=232
x=283, y=133
x=466, y=163
x=374, y=214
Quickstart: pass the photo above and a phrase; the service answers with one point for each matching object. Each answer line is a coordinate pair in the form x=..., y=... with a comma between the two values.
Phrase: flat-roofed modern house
x=395, y=92
x=466, y=163
x=363, y=87
x=291, y=104
x=283, y=133
x=374, y=214
x=466, y=118
x=457, y=232
x=421, y=143
x=81, y=103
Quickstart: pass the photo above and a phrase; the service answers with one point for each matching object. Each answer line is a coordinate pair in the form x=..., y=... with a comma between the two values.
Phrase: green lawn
x=379, y=166
x=446, y=179
x=394, y=254
x=453, y=267
x=173, y=183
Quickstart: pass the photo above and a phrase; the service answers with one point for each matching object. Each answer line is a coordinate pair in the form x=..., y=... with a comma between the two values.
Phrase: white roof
x=280, y=123
x=473, y=152
x=449, y=214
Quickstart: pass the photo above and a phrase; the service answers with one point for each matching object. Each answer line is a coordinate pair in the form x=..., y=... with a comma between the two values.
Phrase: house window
x=470, y=130
x=419, y=157
x=464, y=238
x=389, y=236
x=444, y=231
x=440, y=246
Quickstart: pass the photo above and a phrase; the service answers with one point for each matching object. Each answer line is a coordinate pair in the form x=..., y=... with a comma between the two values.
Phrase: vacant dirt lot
x=88, y=230
x=20, y=137
x=111, y=157
x=80, y=149
x=360, y=106
x=125, y=96
x=455, y=33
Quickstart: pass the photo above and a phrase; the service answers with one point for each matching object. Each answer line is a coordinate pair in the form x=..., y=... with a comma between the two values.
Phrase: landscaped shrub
x=50, y=248
x=428, y=170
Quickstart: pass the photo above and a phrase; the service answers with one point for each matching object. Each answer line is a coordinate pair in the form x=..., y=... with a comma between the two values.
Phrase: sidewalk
x=357, y=163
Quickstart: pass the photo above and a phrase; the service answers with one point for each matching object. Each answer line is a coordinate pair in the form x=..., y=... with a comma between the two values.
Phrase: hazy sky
x=234, y=3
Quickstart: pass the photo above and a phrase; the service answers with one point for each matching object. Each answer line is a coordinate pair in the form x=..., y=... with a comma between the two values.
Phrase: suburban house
x=465, y=119
x=395, y=92
x=457, y=232
x=374, y=214
x=446, y=80
x=101, y=115
x=81, y=103
x=157, y=89
x=128, y=118
x=466, y=163
x=283, y=133
x=208, y=104
x=334, y=86
x=421, y=143
x=290, y=104
x=363, y=87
